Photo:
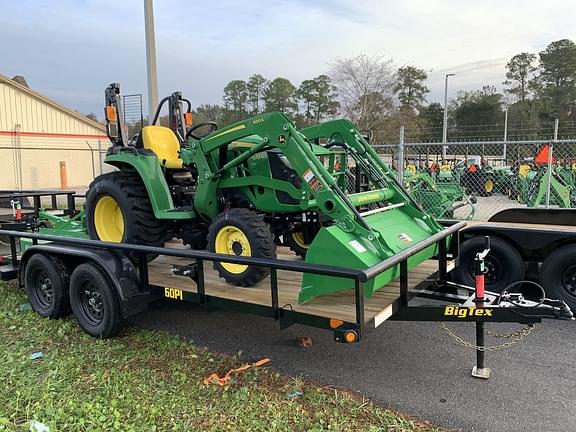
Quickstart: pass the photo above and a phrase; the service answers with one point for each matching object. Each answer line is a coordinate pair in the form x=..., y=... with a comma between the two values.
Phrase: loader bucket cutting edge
x=332, y=246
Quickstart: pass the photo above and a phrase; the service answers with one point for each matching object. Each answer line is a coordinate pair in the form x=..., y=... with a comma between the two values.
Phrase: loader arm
x=277, y=131
x=343, y=133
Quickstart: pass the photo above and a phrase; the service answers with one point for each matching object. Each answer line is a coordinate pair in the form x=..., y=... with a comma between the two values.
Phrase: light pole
x=151, y=58
x=445, y=123
x=504, y=155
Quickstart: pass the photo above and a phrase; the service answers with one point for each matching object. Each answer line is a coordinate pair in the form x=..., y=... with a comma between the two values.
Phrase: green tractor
x=245, y=188
x=439, y=198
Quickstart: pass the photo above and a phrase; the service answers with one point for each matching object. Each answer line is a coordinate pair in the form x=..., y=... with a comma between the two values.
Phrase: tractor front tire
x=241, y=232
x=118, y=210
x=296, y=243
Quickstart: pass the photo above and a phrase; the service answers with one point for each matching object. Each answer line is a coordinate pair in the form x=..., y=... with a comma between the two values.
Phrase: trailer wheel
x=558, y=275
x=47, y=280
x=94, y=302
x=118, y=209
x=504, y=263
x=241, y=232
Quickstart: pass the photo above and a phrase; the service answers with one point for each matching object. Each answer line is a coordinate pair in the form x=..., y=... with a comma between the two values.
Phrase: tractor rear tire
x=118, y=210
x=241, y=232
x=194, y=235
x=487, y=186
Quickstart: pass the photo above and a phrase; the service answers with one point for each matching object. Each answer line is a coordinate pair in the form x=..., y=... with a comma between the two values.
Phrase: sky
x=70, y=50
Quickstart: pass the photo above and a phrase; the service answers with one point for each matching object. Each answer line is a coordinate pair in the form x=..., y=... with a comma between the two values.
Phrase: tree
x=432, y=120
x=365, y=85
x=256, y=86
x=476, y=108
x=410, y=87
x=319, y=97
x=235, y=99
x=518, y=72
x=324, y=102
x=209, y=112
x=306, y=92
x=280, y=95
x=92, y=117
x=556, y=83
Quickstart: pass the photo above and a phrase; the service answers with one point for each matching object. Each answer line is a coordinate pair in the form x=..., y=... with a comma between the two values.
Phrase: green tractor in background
x=531, y=183
x=250, y=186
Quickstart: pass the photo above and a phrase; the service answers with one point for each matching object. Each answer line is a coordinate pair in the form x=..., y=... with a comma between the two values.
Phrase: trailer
x=102, y=287
x=536, y=244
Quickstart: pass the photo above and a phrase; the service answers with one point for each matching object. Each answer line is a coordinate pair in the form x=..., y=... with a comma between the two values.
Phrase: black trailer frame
x=138, y=291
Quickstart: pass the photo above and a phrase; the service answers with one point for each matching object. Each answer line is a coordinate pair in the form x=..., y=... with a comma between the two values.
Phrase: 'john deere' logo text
x=463, y=312
x=368, y=197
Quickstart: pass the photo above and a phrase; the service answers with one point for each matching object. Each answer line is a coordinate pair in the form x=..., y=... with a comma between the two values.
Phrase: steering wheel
x=213, y=127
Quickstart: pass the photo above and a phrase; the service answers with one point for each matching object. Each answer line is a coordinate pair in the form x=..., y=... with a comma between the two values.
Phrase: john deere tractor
x=250, y=186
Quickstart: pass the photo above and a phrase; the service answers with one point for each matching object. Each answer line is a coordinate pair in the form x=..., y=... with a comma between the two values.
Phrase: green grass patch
x=147, y=380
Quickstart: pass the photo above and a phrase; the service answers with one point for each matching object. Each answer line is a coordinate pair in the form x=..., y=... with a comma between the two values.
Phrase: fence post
x=400, y=159
x=63, y=175
x=550, y=153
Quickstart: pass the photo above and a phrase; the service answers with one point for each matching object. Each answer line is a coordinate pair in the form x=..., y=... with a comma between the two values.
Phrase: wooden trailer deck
x=338, y=305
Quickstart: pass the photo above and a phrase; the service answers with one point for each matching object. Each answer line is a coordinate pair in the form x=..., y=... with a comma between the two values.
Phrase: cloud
x=71, y=50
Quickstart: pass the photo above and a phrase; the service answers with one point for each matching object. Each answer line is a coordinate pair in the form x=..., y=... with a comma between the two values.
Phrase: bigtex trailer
x=237, y=197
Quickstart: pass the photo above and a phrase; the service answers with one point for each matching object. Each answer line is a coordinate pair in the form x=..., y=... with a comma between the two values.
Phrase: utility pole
x=151, y=59
x=445, y=123
x=504, y=155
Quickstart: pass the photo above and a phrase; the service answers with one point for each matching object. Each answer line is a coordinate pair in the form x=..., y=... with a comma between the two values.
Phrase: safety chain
x=517, y=337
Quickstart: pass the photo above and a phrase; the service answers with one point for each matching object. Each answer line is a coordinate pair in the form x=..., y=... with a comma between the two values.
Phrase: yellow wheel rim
x=489, y=186
x=298, y=238
x=230, y=240
x=108, y=220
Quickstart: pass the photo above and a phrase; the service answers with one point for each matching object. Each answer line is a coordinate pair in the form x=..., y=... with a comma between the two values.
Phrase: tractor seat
x=163, y=142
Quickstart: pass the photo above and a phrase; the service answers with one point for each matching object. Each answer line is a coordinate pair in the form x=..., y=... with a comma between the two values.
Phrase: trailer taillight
x=350, y=336
x=111, y=114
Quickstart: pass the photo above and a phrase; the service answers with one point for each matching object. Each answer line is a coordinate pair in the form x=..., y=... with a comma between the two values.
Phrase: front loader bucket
x=400, y=228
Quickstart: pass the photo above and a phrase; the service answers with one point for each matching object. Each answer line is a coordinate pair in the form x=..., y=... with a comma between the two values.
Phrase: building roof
x=5, y=80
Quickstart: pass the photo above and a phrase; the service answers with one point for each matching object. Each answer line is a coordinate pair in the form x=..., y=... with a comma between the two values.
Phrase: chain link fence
x=476, y=179
x=50, y=162
x=464, y=179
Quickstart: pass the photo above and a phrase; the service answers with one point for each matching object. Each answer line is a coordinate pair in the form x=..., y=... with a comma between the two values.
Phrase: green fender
x=149, y=169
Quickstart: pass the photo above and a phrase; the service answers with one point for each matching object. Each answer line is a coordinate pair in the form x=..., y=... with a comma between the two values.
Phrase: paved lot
x=412, y=367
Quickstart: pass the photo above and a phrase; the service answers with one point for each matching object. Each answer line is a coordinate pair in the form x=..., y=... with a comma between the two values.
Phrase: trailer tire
x=47, y=280
x=94, y=302
x=241, y=232
x=118, y=209
x=504, y=263
x=558, y=275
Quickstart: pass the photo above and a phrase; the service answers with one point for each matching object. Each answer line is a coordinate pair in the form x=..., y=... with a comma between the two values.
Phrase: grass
x=146, y=380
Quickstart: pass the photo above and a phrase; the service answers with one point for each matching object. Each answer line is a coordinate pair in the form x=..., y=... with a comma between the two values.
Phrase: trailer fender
x=533, y=243
x=117, y=268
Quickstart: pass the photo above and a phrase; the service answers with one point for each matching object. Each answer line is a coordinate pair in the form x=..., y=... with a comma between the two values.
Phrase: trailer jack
x=484, y=305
